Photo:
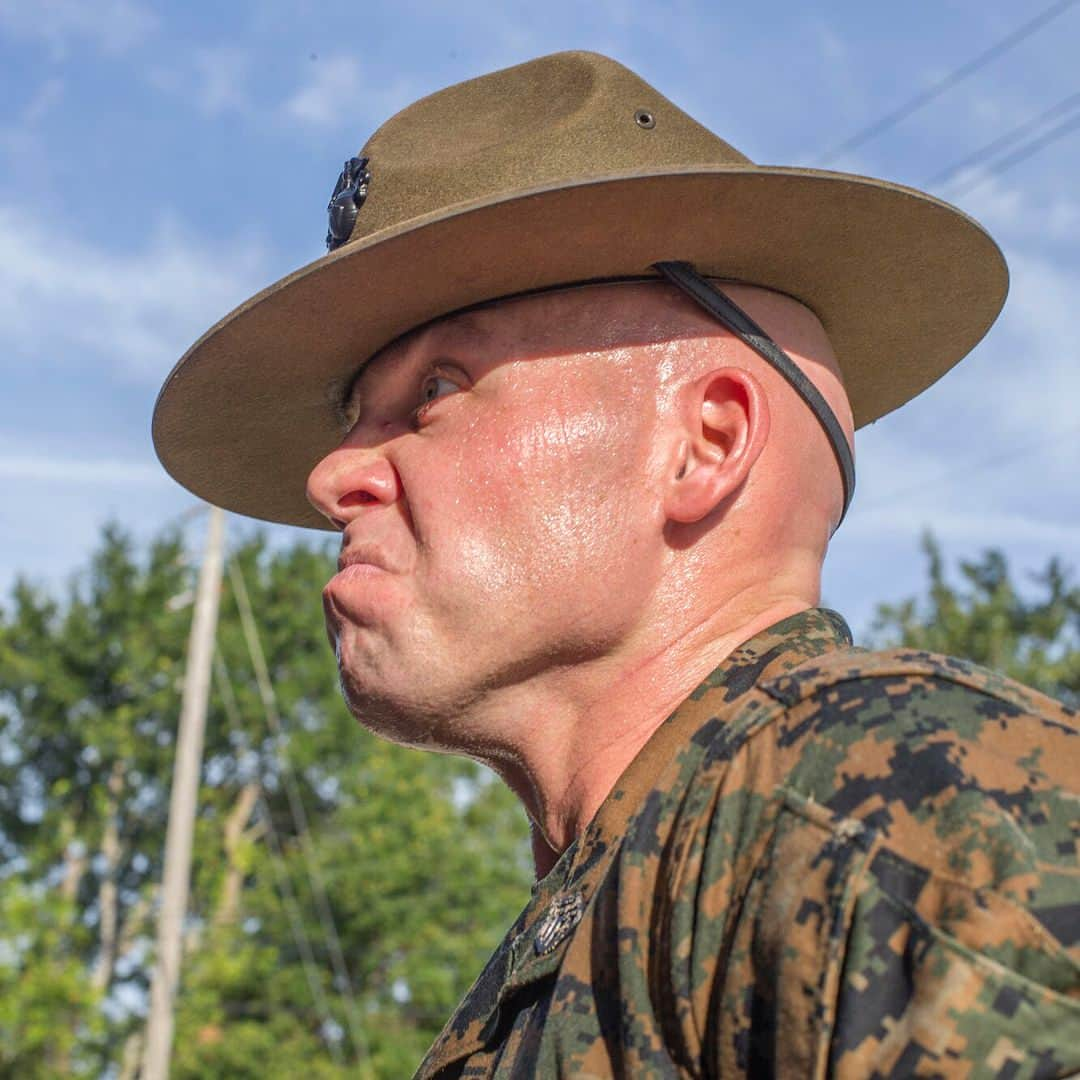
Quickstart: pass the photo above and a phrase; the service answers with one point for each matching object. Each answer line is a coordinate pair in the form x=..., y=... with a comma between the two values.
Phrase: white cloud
x=329, y=96
x=22, y=142
x=113, y=26
x=996, y=442
x=134, y=312
x=1031, y=216
x=831, y=46
x=55, y=511
x=1039, y=368
x=223, y=72
x=60, y=471
x=214, y=79
x=336, y=91
x=968, y=530
x=47, y=96
x=1013, y=398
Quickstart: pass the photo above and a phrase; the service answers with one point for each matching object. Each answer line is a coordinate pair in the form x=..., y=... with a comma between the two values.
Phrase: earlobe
x=726, y=422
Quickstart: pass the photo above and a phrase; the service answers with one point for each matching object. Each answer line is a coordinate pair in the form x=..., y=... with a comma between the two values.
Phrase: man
x=578, y=385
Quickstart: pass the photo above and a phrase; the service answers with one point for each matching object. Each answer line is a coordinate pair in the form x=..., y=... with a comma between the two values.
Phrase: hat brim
x=904, y=284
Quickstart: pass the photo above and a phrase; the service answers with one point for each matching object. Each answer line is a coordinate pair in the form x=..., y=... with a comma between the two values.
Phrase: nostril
x=357, y=498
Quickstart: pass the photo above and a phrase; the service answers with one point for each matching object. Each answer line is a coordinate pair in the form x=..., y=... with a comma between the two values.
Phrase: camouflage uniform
x=827, y=862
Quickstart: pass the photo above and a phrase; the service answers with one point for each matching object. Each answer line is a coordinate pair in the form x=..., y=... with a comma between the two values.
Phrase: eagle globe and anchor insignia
x=350, y=191
x=563, y=914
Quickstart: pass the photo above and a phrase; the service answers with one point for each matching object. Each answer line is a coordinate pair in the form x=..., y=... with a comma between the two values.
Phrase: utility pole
x=185, y=786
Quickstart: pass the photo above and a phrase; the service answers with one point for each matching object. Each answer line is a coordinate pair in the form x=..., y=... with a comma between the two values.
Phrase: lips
x=361, y=556
x=349, y=595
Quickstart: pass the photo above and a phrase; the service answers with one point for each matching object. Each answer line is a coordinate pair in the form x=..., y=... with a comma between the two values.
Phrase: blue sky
x=158, y=164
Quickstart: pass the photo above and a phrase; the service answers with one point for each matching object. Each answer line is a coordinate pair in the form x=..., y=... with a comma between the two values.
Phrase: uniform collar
x=776, y=650
x=679, y=741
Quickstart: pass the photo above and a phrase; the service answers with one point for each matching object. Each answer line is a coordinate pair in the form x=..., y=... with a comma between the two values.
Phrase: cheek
x=553, y=496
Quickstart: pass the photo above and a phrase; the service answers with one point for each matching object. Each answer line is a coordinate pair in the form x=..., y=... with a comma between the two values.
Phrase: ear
x=725, y=425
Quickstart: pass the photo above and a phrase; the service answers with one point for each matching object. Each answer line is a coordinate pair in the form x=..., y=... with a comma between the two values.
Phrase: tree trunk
x=235, y=869
x=137, y=917
x=75, y=862
x=133, y=1047
x=108, y=895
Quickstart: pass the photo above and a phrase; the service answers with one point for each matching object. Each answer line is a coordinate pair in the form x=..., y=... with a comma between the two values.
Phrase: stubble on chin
x=406, y=708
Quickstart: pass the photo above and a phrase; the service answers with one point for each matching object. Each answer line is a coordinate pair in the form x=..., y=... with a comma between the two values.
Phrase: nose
x=350, y=479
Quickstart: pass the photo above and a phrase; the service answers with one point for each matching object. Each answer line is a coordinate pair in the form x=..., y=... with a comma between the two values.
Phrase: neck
x=572, y=740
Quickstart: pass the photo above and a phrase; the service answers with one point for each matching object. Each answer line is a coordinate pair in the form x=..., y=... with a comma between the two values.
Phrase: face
x=496, y=495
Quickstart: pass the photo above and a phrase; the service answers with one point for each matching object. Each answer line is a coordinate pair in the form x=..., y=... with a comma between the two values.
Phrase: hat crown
x=562, y=119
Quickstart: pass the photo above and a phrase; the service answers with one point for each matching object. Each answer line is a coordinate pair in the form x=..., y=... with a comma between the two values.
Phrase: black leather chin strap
x=729, y=314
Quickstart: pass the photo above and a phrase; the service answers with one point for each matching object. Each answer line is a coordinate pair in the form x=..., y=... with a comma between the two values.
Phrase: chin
x=407, y=696
x=392, y=715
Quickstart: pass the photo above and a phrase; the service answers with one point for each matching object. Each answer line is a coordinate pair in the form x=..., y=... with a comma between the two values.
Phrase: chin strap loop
x=722, y=308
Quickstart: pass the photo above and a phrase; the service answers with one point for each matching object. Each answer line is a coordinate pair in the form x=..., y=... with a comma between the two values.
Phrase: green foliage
x=49, y=1012
x=423, y=858
x=242, y=1016
x=1033, y=638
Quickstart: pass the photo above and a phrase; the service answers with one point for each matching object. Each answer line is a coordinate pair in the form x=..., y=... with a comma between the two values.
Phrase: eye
x=436, y=386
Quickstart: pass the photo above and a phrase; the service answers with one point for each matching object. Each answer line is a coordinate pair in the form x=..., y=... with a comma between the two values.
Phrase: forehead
x=506, y=323
x=575, y=319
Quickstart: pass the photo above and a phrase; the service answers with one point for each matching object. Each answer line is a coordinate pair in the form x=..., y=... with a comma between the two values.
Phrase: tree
x=49, y=1007
x=87, y=710
x=420, y=861
x=1032, y=637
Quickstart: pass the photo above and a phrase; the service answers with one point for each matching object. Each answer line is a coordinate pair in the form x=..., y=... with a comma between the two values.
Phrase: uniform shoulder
x=855, y=677
x=922, y=703
x=957, y=766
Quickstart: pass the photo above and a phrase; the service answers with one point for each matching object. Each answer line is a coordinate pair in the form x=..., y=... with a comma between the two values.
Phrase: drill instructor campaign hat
x=564, y=170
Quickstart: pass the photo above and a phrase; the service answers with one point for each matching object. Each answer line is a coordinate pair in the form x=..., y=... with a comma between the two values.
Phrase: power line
x=983, y=464
x=1003, y=141
x=296, y=805
x=1021, y=154
x=924, y=97
x=284, y=882
x=296, y=922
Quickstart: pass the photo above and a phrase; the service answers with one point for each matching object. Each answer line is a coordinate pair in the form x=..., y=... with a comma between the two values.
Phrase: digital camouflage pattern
x=827, y=862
